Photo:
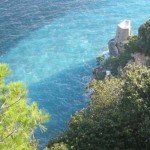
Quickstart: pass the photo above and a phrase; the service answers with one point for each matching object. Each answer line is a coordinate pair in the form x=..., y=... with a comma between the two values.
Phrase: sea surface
x=51, y=45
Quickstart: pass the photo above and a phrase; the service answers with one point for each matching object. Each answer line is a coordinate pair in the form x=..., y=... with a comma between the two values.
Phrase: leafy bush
x=100, y=59
x=144, y=38
x=114, y=63
x=118, y=115
x=99, y=75
x=132, y=46
x=59, y=146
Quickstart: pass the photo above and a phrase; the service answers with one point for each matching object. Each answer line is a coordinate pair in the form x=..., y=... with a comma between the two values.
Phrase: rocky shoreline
x=116, y=47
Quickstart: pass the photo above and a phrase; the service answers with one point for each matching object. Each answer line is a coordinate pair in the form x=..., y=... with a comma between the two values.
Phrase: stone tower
x=116, y=45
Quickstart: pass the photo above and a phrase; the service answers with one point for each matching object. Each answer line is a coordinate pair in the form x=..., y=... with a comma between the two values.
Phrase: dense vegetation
x=144, y=38
x=118, y=115
x=18, y=119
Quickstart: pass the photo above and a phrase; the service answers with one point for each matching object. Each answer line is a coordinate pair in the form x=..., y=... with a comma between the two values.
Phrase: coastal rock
x=112, y=45
x=100, y=73
x=140, y=59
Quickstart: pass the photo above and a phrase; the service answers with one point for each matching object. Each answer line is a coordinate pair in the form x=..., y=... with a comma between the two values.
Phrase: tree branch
x=11, y=104
x=2, y=140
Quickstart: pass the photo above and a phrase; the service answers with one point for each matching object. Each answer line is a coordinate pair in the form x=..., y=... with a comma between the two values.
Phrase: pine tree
x=18, y=118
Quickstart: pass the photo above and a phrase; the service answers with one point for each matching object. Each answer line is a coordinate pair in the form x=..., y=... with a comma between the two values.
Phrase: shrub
x=144, y=38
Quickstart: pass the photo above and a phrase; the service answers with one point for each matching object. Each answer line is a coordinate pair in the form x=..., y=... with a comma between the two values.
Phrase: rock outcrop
x=112, y=46
x=140, y=59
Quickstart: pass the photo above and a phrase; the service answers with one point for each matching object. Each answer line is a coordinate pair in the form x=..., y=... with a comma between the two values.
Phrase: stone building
x=116, y=45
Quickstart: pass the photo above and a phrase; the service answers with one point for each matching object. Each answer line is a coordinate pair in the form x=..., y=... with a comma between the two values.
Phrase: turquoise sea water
x=51, y=46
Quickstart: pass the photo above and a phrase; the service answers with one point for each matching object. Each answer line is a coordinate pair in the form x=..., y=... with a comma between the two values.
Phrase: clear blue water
x=51, y=46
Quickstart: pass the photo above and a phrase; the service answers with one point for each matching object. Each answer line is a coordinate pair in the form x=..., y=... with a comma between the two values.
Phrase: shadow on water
x=18, y=18
x=62, y=95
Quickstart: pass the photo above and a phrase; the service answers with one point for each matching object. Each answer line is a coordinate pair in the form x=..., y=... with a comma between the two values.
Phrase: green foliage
x=118, y=115
x=135, y=107
x=132, y=46
x=99, y=75
x=113, y=63
x=59, y=146
x=100, y=59
x=144, y=38
x=18, y=120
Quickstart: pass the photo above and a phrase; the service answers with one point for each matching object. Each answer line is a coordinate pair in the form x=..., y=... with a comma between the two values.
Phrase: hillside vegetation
x=118, y=115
